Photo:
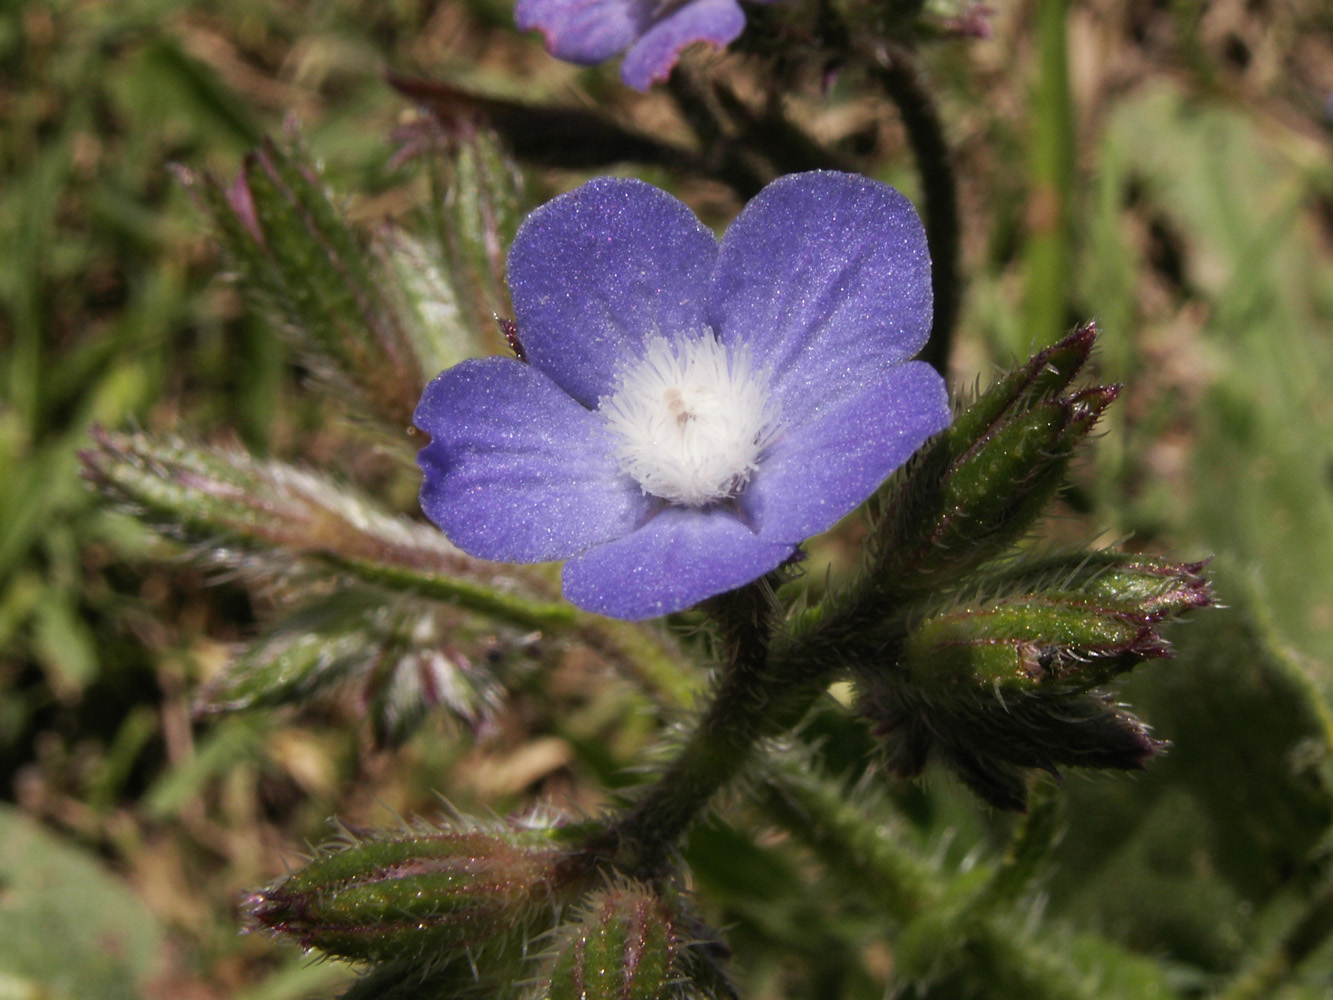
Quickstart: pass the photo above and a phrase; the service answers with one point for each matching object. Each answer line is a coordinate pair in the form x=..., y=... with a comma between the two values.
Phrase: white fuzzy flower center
x=691, y=420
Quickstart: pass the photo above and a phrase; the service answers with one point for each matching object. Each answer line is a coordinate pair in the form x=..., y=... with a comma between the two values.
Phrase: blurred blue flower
x=651, y=33
x=688, y=413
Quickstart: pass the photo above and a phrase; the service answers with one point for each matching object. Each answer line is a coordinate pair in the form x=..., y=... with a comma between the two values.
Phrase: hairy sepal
x=994, y=687
x=979, y=486
x=461, y=893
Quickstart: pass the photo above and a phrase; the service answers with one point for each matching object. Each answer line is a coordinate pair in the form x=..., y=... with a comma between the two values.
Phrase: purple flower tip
x=688, y=412
x=242, y=202
x=651, y=33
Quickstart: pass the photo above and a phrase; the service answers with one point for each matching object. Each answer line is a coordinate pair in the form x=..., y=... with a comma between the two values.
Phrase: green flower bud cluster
x=308, y=272
x=992, y=666
x=473, y=902
x=374, y=318
x=997, y=686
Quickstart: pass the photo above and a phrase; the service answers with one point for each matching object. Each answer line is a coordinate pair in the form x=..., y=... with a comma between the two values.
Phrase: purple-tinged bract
x=688, y=413
x=651, y=33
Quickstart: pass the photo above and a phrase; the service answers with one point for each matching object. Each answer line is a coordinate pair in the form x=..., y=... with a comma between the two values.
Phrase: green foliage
x=981, y=483
x=70, y=928
x=1186, y=209
x=1252, y=811
x=1230, y=198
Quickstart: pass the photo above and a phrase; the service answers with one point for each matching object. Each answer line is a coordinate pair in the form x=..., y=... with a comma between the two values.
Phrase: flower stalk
x=859, y=857
x=757, y=697
x=899, y=74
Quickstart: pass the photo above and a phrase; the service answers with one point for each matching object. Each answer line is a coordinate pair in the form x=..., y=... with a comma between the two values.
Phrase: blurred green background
x=1163, y=167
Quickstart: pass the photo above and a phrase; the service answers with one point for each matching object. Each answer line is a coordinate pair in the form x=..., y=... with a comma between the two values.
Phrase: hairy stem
x=901, y=78
x=757, y=697
x=851, y=843
x=699, y=108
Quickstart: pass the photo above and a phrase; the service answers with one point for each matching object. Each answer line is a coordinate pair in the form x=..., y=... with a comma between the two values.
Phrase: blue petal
x=517, y=471
x=677, y=559
x=600, y=269
x=585, y=31
x=817, y=472
x=653, y=55
x=826, y=277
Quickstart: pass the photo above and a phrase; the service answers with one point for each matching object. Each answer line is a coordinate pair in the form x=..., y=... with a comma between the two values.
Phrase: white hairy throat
x=691, y=419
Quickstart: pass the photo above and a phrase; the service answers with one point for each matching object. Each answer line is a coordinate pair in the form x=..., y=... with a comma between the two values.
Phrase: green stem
x=902, y=80
x=758, y=697
x=513, y=609
x=852, y=847
x=851, y=843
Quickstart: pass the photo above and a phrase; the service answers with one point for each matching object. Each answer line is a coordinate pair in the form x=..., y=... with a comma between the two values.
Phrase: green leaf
x=69, y=929
x=65, y=644
x=242, y=510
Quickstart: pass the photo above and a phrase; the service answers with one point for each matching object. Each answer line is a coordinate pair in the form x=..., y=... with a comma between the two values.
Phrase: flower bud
x=436, y=895
x=1045, y=375
x=990, y=738
x=623, y=947
x=1149, y=590
x=980, y=484
x=1025, y=643
x=1009, y=684
x=312, y=276
x=997, y=488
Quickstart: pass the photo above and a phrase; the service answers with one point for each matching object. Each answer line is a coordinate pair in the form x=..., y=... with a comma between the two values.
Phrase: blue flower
x=651, y=33
x=688, y=413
